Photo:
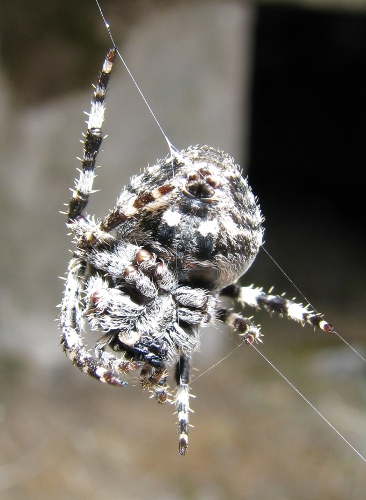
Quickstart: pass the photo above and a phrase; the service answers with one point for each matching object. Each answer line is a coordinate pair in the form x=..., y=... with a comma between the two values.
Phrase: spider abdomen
x=203, y=216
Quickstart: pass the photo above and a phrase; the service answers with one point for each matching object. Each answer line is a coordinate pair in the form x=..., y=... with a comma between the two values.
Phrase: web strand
x=214, y=365
x=172, y=148
x=291, y=385
x=308, y=402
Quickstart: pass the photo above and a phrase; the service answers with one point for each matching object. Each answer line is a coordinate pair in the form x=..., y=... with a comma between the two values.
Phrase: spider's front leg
x=71, y=323
x=255, y=297
x=122, y=302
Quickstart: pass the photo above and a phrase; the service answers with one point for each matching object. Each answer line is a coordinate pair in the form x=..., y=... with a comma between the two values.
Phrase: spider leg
x=155, y=381
x=90, y=233
x=255, y=297
x=128, y=326
x=248, y=330
x=71, y=323
x=93, y=140
x=182, y=402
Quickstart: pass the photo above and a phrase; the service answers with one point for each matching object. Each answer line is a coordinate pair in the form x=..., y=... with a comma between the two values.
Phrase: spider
x=150, y=274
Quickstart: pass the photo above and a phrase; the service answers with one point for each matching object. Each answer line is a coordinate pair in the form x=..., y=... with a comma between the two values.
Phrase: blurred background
x=281, y=87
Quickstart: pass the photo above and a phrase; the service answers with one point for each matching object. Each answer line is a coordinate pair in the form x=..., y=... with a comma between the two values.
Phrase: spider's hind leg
x=182, y=402
x=93, y=141
x=255, y=297
x=246, y=328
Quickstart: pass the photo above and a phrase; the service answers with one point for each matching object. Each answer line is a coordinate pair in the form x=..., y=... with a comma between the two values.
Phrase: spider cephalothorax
x=149, y=275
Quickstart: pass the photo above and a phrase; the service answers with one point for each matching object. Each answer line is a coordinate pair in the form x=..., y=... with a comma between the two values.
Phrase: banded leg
x=248, y=330
x=182, y=402
x=93, y=140
x=71, y=322
x=255, y=297
x=155, y=381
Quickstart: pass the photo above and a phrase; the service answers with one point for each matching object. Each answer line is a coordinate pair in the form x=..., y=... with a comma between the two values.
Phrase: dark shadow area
x=307, y=148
